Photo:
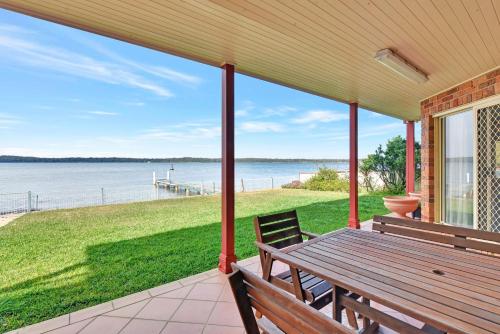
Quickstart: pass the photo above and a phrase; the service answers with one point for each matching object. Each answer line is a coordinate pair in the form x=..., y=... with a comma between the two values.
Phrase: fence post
x=154, y=178
x=201, y=189
x=102, y=196
x=29, y=201
x=36, y=203
x=272, y=183
x=213, y=187
x=242, y=186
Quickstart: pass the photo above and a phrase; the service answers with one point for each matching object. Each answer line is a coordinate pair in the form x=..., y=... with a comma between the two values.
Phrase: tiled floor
x=198, y=304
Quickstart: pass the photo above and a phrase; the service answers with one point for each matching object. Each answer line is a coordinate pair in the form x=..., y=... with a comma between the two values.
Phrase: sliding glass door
x=458, y=169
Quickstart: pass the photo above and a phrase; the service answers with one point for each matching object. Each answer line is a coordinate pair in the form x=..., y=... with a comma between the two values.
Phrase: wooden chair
x=281, y=312
x=281, y=230
x=458, y=237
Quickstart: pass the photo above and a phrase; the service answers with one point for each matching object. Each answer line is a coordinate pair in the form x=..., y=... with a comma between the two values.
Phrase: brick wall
x=474, y=90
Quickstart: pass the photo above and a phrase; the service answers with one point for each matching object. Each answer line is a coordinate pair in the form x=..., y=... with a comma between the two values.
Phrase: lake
x=66, y=185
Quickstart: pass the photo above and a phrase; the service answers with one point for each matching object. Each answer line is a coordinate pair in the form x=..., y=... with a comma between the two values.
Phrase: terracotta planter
x=416, y=195
x=401, y=205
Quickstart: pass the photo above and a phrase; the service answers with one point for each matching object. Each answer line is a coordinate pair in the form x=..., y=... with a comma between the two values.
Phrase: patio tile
x=130, y=299
x=254, y=268
x=164, y=288
x=225, y=314
x=129, y=311
x=194, y=279
x=73, y=328
x=46, y=325
x=182, y=328
x=220, y=278
x=104, y=324
x=178, y=293
x=159, y=309
x=194, y=311
x=215, y=329
x=90, y=312
x=143, y=327
x=205, y=291
x=226, y=294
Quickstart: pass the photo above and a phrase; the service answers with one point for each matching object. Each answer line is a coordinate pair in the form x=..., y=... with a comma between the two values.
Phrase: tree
x=390, y=164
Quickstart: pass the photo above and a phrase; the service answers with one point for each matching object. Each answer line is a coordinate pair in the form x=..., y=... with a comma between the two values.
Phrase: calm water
x=59, y=185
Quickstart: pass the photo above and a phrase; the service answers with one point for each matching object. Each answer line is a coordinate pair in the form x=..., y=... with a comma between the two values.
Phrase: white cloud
x=181, y=133
x=135, y=104
x=279, y=111
x=261, y=127
x=64, y=61
x=159, y=71
x=321, y=116
x=245, y=108
x=7, y=120
x=102, y=113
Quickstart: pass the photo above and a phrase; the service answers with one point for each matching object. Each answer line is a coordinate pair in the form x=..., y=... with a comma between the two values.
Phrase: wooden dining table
x=449, y=289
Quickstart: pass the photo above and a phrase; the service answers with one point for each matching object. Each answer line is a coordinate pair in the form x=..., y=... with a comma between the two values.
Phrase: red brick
x=467, y=92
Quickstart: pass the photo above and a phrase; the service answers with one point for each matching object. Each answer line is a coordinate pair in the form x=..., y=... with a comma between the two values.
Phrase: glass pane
x=459, y=170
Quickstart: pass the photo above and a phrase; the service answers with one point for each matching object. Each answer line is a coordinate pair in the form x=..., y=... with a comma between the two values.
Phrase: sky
x=66, y=92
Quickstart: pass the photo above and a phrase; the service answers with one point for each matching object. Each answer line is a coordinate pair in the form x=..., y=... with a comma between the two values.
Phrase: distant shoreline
x=21, y=159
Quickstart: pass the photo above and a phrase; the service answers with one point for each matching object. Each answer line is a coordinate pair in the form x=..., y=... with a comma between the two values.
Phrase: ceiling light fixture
x=400, y=65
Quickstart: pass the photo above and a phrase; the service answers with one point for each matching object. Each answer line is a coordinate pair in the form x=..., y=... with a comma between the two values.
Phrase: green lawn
x=57, y=262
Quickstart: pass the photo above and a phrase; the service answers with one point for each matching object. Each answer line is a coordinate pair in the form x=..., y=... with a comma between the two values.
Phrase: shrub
x=327, y=180
x=389, y=164
x=293, y=185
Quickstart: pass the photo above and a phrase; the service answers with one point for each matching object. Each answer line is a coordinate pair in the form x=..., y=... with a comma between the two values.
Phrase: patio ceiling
x=322, y=47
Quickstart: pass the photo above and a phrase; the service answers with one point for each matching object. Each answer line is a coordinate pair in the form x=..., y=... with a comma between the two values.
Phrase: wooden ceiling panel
x=319, y=46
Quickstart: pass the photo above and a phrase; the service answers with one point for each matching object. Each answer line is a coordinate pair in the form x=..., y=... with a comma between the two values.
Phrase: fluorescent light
x=399, y=65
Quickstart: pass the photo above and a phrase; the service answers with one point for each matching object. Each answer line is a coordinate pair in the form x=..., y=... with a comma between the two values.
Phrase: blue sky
x=66, y=92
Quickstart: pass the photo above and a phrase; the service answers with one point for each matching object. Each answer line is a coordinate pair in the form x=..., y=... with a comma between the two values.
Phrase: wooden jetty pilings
x=184, y=189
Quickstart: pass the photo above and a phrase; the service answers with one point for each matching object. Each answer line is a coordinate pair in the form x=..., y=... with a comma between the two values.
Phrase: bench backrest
x=458, y=237
x=278, y=230
x=283, y=312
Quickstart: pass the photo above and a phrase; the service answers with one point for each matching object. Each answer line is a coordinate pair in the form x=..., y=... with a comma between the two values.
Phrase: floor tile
x=226, y=294
x=194, y=311
x=225, y=314
x=141, y=326
x=128, y=311
x=178, y=293
x=130, y=299
x=46, y=325
x=182, y=328
x=164, y=288
x=159, y=309
x=104, y=324
x=215, y=329
x=90, y=312
x=71, y=329
x=205, y=291
x=219, y=278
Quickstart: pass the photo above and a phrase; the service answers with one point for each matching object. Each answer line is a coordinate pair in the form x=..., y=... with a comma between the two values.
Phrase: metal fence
x=30, y=201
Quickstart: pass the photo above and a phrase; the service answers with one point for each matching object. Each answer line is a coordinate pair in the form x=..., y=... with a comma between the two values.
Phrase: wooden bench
x=281, y=312
x=458, y=237
x=281, y=230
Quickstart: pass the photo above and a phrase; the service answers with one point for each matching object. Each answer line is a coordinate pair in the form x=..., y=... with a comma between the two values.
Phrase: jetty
x=187, y=189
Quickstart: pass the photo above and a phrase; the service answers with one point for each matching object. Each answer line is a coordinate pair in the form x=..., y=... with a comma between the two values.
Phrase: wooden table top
x=450, y=289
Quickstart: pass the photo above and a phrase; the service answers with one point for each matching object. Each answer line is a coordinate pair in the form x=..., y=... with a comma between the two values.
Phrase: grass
x=57, y=262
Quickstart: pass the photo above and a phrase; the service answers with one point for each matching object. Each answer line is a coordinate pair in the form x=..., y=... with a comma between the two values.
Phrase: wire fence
x=30, y=201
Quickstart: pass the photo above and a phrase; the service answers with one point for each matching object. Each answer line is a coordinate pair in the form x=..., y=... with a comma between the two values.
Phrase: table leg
x=337, y=308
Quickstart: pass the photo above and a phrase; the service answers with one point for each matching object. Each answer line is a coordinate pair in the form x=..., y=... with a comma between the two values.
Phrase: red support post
x=227, y=255
x=353, y=166
x=410, y=156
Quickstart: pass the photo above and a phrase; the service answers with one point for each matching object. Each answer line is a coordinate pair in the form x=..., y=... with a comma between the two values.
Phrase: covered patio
x=440, y=58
